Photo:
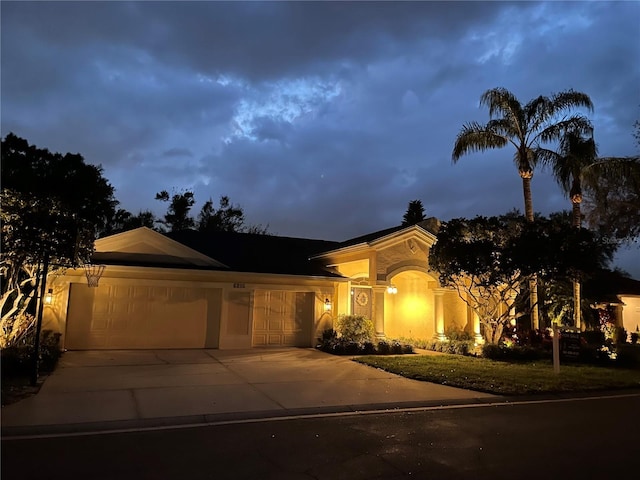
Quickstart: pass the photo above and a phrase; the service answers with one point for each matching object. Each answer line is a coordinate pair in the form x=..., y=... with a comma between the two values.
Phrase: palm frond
x=543, y=110
x=578, y=124
x=504, y=127
x=570, y=99
x=474, y=137
x=501, y=101
x=617, y=170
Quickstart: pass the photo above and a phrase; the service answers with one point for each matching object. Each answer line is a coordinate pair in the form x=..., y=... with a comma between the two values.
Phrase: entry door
x=361, y=300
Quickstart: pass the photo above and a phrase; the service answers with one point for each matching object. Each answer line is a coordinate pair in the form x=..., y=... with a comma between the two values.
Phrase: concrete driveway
x=98, y=390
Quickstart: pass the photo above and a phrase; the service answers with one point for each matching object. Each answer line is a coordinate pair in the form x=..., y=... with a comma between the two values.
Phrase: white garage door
x=282, y=319
x=135, y=316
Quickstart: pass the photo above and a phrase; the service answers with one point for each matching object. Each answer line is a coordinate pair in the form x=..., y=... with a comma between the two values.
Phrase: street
x=581, y=438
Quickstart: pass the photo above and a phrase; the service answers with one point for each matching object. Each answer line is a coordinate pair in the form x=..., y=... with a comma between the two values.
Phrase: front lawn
x=503, y=378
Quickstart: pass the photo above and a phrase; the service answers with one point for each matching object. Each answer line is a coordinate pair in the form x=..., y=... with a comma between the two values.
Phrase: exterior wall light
x=48, y=298
x=327, y=305
x=392, y=289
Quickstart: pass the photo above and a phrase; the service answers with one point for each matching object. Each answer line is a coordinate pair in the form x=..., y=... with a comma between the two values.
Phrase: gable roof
x=424, y=230
x=430, y=225
x=145, y=247
x=249, y=252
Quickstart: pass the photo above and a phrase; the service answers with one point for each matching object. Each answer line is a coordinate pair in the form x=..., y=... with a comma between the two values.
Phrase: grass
x=504, y=378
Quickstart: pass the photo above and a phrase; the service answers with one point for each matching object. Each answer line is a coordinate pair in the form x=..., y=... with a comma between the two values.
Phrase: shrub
x=384, y=348
x=619, y=335
x=514, y=353
x=634, y=337
x=594, y=337
x=355, y=328
x=327, y=335
x=627, y=355
x=16, y=360
x=455, y=335
x=492, y=351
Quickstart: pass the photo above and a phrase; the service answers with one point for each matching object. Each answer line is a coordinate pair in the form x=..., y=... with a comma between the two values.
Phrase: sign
x=570, y=345
x=238, y=285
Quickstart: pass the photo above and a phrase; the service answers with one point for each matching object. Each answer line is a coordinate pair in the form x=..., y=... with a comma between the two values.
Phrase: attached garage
x=282, y=318
x=129, y=315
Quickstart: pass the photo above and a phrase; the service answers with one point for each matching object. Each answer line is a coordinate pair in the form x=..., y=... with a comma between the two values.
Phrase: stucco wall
x=631, y=313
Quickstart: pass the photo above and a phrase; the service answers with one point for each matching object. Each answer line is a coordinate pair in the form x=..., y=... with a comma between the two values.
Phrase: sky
x=320, y=119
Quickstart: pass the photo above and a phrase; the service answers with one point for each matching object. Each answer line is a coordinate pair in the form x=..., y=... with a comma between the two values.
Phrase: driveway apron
x=127, y=388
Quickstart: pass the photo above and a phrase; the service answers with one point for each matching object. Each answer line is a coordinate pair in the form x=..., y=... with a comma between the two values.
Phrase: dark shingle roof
x=606, y=285
x=247, y=252
x=431, y=225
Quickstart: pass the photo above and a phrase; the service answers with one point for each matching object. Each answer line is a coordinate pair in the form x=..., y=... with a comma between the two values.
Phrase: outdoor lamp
x=392, y=289
x=48, y=298
x=327, y=304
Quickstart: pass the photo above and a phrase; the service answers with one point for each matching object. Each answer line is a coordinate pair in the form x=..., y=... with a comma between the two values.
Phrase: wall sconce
x=392, y=289
x=48, y=298
x=327, y=305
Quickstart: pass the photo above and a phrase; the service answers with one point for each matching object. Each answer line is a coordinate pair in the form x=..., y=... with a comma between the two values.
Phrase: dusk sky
x=322, y=120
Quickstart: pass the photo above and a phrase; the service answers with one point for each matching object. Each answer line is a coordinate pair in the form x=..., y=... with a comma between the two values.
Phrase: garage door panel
x=112, y=317
x=282, y=318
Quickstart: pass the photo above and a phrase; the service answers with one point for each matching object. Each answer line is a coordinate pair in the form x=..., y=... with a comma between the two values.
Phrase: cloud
x=322, y=119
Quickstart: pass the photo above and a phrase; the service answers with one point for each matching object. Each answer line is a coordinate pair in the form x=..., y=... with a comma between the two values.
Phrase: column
x=476, y=329
x=378, y=310
x=438, y=294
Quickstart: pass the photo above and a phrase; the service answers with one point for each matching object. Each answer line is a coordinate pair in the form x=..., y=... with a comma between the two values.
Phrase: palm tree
x=526, y=127
x=576, y=165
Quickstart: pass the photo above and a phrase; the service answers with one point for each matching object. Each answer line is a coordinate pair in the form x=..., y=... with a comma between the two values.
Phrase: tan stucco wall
x=455, y=313
x=228, y=326
x=410, y=312
x=401, y=254
x=631, y=313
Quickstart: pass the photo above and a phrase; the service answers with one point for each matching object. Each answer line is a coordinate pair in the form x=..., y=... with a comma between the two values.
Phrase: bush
x=634, y=338
x=384, y=348
x=16, y=360
x=355, y=328
x=514, y=353
x=492, y=351
x=593, y=337
x=341, y=346
x=628, y=355
x=619, y=335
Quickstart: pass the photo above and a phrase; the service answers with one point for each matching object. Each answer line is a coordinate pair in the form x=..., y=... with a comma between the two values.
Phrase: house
x=619, y=296
x=228, y=290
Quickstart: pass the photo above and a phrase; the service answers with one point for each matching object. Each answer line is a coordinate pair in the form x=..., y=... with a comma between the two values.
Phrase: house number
x=238, y=285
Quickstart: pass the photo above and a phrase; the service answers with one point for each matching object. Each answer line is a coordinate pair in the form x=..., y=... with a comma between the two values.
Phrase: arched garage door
x=130, y=316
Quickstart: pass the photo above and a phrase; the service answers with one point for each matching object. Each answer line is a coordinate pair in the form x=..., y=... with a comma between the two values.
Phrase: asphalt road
x=564, y=439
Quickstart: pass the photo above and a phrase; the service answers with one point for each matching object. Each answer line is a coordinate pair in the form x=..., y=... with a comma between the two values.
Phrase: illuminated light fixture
x=392, y=289
x=327, y=304
x=48, y=298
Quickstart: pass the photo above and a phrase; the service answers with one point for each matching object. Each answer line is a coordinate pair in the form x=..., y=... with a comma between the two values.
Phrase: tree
x=470, y=257
x=612, y=198
x=525, y=127
x=177, y=217
x=576, y=165
x=488, y=261
x=414, y=213
x=227, y=218
x=124, y=220
x=52, y=207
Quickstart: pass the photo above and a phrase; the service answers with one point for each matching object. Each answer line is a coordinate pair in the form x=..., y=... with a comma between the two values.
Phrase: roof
x=607, y=285
x=249, y=252
x=431, y=225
